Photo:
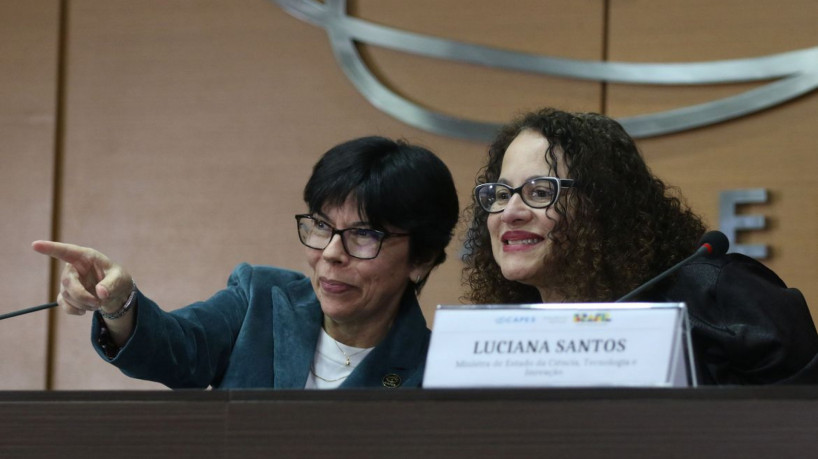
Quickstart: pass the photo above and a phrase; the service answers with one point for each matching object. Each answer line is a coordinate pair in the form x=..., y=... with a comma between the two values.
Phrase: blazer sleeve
x=189, y=347
x=747, y=326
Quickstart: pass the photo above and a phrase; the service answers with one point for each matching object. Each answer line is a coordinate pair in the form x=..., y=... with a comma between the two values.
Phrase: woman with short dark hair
x=380, y=214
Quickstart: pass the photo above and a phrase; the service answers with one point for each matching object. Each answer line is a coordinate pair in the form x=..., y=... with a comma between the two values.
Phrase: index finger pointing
x=68, y=253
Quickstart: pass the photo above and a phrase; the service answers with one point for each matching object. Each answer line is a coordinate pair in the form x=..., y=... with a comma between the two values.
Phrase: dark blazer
x=259, y=332
x=747, y=327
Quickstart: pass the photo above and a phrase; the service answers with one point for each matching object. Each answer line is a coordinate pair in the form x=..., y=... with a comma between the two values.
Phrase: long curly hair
x=624, y=225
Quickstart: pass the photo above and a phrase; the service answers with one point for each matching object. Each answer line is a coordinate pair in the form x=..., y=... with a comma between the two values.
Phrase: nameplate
x=541, y=345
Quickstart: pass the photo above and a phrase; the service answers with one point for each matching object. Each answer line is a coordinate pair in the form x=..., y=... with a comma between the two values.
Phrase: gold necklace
x=312, y=370
x=347, y=363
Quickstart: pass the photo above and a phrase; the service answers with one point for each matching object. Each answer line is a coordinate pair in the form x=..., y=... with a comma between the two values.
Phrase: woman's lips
x=515, y=241
x=332, y=286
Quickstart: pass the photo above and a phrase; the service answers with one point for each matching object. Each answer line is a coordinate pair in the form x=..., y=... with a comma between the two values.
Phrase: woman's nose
x=334, y=251
x=516, y=210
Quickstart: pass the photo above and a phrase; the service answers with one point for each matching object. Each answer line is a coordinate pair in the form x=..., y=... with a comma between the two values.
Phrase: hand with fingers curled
x=89, y=280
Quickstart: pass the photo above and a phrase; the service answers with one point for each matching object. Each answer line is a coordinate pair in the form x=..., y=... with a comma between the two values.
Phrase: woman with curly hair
x=566, y=210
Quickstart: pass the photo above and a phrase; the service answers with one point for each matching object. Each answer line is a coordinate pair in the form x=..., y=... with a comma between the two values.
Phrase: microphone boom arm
x=27, y=310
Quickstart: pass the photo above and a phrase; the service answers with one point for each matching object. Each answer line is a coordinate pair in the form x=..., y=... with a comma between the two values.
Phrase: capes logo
x=515, y=320
x=584, y=317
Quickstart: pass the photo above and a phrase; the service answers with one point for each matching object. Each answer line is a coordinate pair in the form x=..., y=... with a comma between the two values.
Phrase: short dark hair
x=394, y=183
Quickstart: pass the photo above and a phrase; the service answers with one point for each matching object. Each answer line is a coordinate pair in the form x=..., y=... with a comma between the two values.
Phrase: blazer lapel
x=399, y=360
x=296, y=324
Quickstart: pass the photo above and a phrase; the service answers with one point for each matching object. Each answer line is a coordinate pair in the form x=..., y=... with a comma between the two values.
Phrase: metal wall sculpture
x=794, y=73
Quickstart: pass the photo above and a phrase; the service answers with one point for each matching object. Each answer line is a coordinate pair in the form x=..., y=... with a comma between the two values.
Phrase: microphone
x=712, y=244
x=27, y=310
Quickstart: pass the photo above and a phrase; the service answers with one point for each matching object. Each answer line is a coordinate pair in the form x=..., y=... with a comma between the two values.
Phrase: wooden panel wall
x=775, y=149
x=28, y=94
x=190, y=129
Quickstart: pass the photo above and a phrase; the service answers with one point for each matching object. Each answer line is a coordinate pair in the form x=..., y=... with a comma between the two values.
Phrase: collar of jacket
x=398, y=360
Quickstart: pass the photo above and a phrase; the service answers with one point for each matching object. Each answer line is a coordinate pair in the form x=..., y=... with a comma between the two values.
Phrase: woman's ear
x=420, y=271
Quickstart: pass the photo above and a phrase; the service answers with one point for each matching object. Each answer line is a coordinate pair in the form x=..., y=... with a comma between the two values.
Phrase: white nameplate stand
x=563, y=345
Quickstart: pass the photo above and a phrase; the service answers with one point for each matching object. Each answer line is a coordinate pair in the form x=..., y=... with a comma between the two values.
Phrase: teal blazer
x=259, y=332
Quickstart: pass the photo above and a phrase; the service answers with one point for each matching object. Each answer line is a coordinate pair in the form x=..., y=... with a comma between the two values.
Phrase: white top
x=333, y=362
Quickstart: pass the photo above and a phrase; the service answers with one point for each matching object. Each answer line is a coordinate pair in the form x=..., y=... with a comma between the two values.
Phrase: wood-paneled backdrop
x=176, y=136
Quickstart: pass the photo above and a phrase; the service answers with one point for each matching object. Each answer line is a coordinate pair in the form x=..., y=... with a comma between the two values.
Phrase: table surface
x=722, y=422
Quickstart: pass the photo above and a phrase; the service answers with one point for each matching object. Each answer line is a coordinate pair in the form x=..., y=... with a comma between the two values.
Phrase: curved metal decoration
x=795, y=74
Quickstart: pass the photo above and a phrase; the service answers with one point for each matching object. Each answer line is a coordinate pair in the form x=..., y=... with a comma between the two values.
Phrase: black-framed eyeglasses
x=539, y=193
x=363, y=243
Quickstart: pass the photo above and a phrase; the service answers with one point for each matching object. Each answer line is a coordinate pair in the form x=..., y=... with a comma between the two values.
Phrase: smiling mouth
x=529, y=241
x=523, y=241
x=331, y=286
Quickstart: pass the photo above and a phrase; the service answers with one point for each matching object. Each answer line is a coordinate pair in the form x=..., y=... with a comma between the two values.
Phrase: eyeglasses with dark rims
x=538, y=192
x=363, y=243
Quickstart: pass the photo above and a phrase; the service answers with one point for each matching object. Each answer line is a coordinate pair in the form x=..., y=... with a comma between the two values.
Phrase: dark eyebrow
x=354, y=224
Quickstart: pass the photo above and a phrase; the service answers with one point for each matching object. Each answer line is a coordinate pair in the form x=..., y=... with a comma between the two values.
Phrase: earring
x=417, y=281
